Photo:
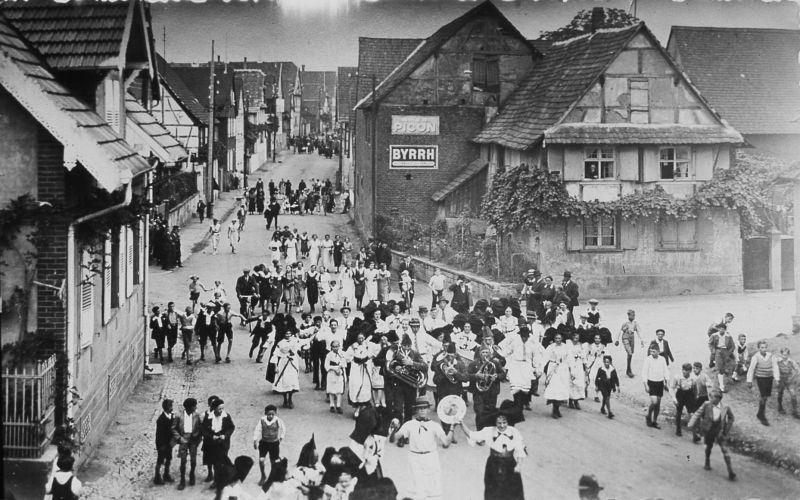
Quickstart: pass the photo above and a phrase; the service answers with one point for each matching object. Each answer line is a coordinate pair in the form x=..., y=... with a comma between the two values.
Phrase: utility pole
x=209, y=174
x=374, y=124
x=164, y=54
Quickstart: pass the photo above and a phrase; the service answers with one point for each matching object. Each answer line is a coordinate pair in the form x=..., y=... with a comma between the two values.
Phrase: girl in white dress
x=371, y=274
x=594, y=360
x=558, y=374
x=347, y=290
x=326, y=252
x=275, y=248
x=577, y=386
x=313, y=250
x=360, y=384
x=287, y=374
x=291, y=250
x=335, y=364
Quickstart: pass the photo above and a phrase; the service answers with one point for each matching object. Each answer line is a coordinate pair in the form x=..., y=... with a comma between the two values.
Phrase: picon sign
x=417, y=157
x=415, y=125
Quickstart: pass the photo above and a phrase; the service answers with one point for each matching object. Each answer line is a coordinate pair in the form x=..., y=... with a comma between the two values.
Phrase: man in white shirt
x=436, y=284
x=432, y=321
x=655, y=375
x=445, y=313
x=331, y=333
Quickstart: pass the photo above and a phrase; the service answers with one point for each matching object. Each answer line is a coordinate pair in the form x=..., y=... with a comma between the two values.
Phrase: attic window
x=486, y=73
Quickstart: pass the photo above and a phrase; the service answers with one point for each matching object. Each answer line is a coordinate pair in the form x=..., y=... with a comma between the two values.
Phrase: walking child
x=655, y=376
x=606, y=381
x=789, y=373
x=164, y=443
x=267, y=436
x=764, y=367
x=683, y=390
x=714, y=421
x=628, y=332
x=335, y=364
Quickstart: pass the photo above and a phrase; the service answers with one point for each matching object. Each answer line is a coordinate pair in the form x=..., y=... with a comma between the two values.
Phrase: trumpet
x=406, y=374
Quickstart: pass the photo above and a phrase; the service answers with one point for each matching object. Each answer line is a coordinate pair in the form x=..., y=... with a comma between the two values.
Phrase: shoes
x=655, y=426
x=191, y=479
x=678, y=433
x=182, y=485
x=610, y=415
x=188, y=361
x=338, y=410
x=527, y=407
x=291, y=406
x=168, y=478
x=258, y=360
x=209, y=477
x=333, y=410
x=695, y=439
x=202, y=358
x=732, y=476
x=227, y=360
x=603, y=411
x=596, y=399
x=157, y=479
x=630, y=374
x=217, y=360
x=577, y=405
x=571, y=404
x=251, y=352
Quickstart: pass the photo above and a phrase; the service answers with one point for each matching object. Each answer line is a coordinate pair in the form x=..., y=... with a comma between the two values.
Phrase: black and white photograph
x=400, y=249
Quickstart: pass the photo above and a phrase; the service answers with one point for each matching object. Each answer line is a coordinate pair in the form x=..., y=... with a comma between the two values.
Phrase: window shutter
x=129, y=256
x=574, y=234
x=111, y=88
x=87, y=301
x=108, y=265
x=629, y=235
x=687, y=233
x=121, y=267
x=668, y=234
x=138, y=252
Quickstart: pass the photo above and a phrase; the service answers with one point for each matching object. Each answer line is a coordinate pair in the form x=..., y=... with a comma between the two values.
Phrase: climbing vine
x=530, y=197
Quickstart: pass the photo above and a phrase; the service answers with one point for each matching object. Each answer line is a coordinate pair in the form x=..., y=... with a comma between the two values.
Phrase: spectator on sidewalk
x=570, y=290
x=62, y=483
x=233, y=234
x=201, y=210
x=164, y=443
x=460, y=302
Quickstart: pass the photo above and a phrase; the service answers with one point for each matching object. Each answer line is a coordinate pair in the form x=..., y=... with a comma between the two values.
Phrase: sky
x=323, y=34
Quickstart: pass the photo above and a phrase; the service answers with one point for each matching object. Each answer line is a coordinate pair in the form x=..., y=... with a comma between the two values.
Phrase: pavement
x=629, y=459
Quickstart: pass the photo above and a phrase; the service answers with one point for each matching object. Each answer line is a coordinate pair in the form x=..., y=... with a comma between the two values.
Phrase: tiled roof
x=196, y=79
x=181, y=93
x=84, y=134
x=748, y=75
x=627, y=133
x=559, y=80
x=317, y=83
x=170, y=149
x=71, y=35
x=253, y=82
x=346, y=92
x=468, y=173
x=378, y=57
x=270, y=70
x=431, y=44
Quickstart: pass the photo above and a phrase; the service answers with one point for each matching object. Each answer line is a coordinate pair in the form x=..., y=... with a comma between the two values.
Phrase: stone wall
x=482, y=288
x=184, y=211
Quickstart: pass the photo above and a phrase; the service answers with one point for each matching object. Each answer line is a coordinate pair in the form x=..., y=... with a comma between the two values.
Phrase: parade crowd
x=343, y=316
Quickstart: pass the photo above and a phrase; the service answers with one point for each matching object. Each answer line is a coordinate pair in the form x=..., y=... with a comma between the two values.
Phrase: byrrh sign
x=415, y=125
x=425, y=157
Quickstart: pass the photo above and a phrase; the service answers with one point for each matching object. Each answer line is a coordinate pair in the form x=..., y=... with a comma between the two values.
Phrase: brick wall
x=409, y=191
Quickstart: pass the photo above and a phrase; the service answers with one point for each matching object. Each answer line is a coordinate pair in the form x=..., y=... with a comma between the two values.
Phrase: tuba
x=487, y=374
x=448, y=368
x=406, y=374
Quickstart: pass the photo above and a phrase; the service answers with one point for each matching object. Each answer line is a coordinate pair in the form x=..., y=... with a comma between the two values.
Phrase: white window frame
x=121, y=266
x=129, y=256
x=604, y=157
x=108, y=267
x=679, y=165
x=599, y=223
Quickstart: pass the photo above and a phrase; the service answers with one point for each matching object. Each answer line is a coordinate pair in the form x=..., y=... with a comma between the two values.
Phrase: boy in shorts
x=628, y=332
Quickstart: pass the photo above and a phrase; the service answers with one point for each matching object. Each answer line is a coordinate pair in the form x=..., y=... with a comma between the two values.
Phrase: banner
x=415, y=125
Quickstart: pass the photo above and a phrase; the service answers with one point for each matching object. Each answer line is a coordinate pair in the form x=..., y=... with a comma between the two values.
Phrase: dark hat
x=589, y=482
x=461, y=277
x=451, y=348
x=567, y=274
x=216, y=403
x=442, y=299
x=391, y=336
x=421, y=403
x=537, y=272
x=414, y=321
x=422, y=309
x=345, y=307
x=307, y=453
x=243, y=464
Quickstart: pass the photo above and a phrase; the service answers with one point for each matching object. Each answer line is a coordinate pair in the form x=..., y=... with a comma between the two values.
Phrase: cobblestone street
x=560, y=452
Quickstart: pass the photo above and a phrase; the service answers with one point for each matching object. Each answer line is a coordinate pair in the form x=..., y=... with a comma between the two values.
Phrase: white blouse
x=510, y=440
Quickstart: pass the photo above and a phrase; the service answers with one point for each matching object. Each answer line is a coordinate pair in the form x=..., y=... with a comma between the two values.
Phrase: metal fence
x=29, y=397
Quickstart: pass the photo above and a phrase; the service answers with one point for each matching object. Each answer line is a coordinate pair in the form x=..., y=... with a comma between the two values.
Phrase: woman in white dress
x=558, y=374
x=313, y=250
x=371, y=274
x=360, y=382
x=275, y=248
x=326, y=252
x=287, y=374
x=519, y=350
x=347, y=289
x=577, y=386
x=291, y=249
x=508, y=324
x=594, y=360
x=335, y=364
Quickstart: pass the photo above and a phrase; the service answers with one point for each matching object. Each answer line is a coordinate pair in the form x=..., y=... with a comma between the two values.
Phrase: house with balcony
x=76, y=160
x=611, y=114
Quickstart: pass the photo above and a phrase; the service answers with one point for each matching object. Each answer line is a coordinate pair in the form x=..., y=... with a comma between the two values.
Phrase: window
x=600, y=232
x=129, y=258
x=486, y=74
x=674, y=162
x=111, y=102
x=640, y=95
x=87, y=300
x=678, y=234
x=598, y=163
x=108, y=265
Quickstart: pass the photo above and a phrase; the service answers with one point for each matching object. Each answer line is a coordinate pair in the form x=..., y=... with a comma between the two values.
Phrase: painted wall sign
x=415, y=125
x=425, y=157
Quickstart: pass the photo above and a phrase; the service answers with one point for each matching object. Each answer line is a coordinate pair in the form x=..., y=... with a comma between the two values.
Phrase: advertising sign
x=424, y=157
x=415, y=125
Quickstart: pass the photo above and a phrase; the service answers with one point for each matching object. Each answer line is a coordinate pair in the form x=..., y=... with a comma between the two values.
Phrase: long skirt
x=426, y=472
x=577, y=386
x=287, y=377
x=360, y=383
x=334, y=383
x=558, y=383
x=383, y=290
x=500, y=481
x=520, y=374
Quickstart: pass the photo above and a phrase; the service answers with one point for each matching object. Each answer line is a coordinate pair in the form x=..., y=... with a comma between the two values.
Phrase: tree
x=587, y=21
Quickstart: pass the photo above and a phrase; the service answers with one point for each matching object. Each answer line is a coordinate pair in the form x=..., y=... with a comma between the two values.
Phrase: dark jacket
x=571, y=290
x=405, y=267
x=163, y=431
x=704, y=419
x=667, y=353
x=179, y=436
x=604, y=383
x=461, y=298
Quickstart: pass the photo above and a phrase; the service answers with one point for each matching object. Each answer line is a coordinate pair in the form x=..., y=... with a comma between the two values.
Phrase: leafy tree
x=586, y=20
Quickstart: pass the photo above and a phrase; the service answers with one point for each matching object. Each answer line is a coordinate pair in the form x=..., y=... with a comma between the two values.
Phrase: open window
x=486, y=73
x=599, y=163
x=674, y=162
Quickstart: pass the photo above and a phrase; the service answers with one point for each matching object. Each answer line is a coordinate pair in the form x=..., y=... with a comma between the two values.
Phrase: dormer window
x=486, y=73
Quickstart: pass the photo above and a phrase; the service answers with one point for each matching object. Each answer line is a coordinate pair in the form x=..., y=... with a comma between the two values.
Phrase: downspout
x=72, y=284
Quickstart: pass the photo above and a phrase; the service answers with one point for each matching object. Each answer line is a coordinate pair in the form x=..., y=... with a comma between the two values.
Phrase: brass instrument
x=448, y=368
x=406, y=374
x=486, y=376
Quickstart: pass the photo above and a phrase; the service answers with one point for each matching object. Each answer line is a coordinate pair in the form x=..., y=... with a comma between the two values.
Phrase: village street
x=629, y=459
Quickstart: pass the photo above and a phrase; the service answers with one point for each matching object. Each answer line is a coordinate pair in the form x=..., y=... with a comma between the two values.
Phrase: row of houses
x=610, y=112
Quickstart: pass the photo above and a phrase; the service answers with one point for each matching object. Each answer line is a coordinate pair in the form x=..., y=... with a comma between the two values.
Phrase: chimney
x=244, y=66
x=598, y=15
x=303, y=67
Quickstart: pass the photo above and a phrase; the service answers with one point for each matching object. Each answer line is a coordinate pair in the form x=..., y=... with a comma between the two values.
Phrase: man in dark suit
x=158, y=333
x=663, y=346
x=164, y=443
x=217, y=429
x=571, y=290
x=406, y=265
x=532, y=291
x=246, y=289
x=187, y=434
x=460, y=301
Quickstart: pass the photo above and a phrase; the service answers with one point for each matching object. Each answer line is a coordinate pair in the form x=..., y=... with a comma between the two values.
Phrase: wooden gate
x=787, y=264
x=755, y=263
